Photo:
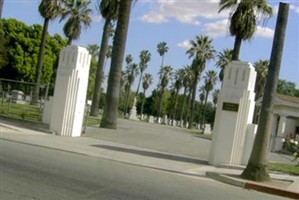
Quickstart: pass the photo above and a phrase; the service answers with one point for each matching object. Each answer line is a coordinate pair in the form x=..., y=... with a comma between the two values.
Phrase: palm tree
x=1, y=7
x=215, y=97
x=261, y=68
x=243, y=19
x=145, y=57
x=202, y=97
x=109, y=119
x=109, y=12
x=77, y=12
x=49, y=10
x=186, y=83
x=210, y=80
x=257, y=166
x=146, y=82
x=165, y=73
x=223, y=59
x=93, y=50
x=162, y=48
x=130, y=74
x=108, y=55
x=178, y=83
x=201, y=51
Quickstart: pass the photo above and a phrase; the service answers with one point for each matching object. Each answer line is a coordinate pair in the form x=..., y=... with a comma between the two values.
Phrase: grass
x=285, y=168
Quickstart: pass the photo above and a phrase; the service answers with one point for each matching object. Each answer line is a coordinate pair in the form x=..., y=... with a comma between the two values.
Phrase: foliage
x=287, y=88
x=21, y=45
x=292, y=146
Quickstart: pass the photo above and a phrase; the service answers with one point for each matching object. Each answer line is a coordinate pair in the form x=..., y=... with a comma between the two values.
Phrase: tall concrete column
x=234, y=112
x=70, y=91
x=280, y=133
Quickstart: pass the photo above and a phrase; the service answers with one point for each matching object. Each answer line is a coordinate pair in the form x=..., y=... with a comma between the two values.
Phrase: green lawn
x=285, y=168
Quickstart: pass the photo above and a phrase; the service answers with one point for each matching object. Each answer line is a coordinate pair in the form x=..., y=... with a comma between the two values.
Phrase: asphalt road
x=31, y=172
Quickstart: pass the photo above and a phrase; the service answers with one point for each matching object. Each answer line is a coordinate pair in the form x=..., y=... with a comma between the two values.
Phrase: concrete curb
x=253, y=186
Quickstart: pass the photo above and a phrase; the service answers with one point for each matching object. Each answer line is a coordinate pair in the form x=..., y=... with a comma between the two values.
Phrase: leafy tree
x=147, y=80
x=109, y=119
x=49, y=10
x=223, y=59
x=210, y=80
x=201, y=51
x=21, y=46
x=109, y=11
x=261, y=68
x=287, y=88
x=243, y=19
x=145, y=57
x=77, y=13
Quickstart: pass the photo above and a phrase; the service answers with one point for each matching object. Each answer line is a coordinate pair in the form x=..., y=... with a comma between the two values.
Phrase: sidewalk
x=153, y=146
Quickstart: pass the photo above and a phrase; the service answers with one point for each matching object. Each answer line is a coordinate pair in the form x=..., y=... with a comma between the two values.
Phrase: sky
x=176, y=22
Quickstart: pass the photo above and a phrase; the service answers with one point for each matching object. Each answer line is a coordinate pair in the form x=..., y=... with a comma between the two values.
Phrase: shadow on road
x=153, y=154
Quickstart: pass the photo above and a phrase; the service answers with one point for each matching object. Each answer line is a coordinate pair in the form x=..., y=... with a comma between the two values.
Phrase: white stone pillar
x=234, y=112
x=280, y=133
x=70, y=91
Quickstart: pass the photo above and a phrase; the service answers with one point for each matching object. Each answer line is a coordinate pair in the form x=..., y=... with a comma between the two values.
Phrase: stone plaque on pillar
x=70, y=91
x=234, y=112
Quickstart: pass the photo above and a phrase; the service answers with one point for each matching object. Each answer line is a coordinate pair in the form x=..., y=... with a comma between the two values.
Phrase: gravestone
x=70, y=91
x=151, y=119
x=133, y=112
x=207, y=129
x=234, y=113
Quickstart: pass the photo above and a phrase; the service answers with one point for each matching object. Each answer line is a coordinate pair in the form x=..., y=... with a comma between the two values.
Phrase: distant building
x=285, y=120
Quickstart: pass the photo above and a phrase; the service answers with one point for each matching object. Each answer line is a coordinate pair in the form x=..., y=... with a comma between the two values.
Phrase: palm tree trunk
x=188, y=106
x=175, y=105
x=203, y=125
x=184, y=102
x=127, y=100
x=109, y=119
x=237, y=47
x=160, y=102
x=143, y=100
x=69, y=42
x=193, y=100
x=40, y=62
x=139, y=82
x=199, y=113
x=94, y=110
x=257, y=167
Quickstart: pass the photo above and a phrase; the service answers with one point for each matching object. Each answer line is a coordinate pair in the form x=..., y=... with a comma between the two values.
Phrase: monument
x=233, y=115
x=133, y=112
x=70, y=91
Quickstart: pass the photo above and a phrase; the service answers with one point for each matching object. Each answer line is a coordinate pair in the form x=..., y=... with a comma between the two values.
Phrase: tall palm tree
x=165, y=73
x=202, y=97
x=93, y=50
x=130, y=74
x=109, y=11
x=49, y=10
x=243, y=19
x=147, y=80
x=145, y=57
x=201, y=51
x=1, y=7
x=257, y=166
x=215, y=97
x=178, y=83
x=223, y=59
x=162, y=48
x=108, y=55
x=261, y=68
x=109, y=119
x=210, y=81
x=77, y=12
x=188, y=76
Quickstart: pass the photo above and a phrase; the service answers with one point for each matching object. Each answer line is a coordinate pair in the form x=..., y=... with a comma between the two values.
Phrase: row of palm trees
x=243, y=21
